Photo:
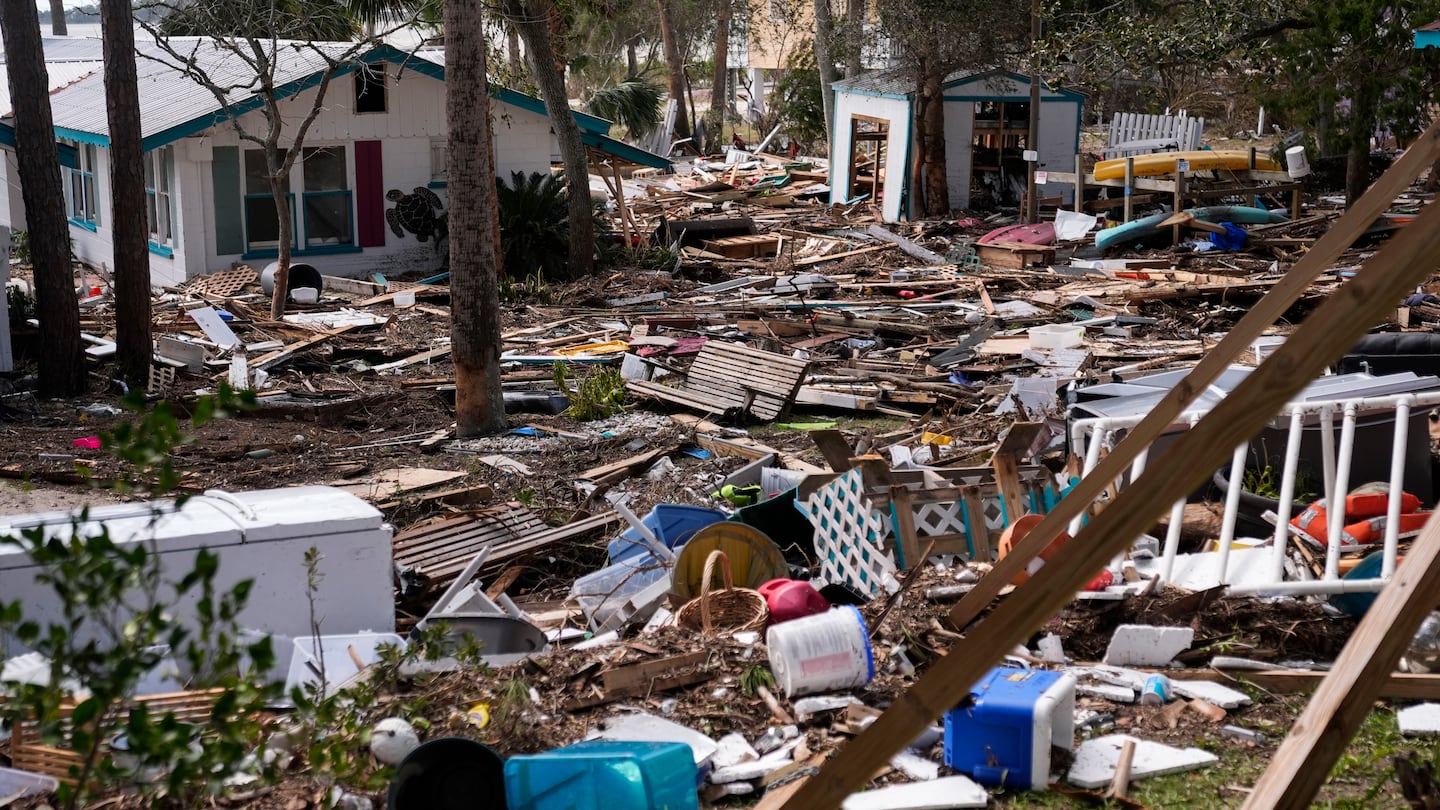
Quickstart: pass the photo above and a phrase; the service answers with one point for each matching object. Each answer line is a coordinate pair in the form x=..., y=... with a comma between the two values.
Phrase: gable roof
x=900, y=82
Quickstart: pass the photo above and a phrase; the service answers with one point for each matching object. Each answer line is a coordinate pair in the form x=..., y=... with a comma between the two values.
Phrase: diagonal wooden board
x=1339, y=706
x=1405, y=261
x=1263, y=314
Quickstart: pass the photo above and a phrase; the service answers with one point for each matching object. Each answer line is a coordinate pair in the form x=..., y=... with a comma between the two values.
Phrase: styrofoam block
x=916, y=767
x=1144, y=645
x=1105, y=691
x=1217, y=693
x=940, y=794
x=746, y=771
x=1422, y=720
x=1119, y=676
x=733, y=750
x=643, y=727
x=1095, y=760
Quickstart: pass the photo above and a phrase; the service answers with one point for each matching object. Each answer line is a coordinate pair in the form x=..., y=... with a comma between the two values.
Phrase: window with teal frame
x=326, y=200
x=262, y=222
x=82, y=198
x=159, y=207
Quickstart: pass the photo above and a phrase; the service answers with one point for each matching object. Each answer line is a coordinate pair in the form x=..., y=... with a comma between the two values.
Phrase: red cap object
x=790, y=599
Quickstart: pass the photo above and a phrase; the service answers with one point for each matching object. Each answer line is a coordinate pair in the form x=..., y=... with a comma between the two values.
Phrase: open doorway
x=868, y=139
x=1001, y=134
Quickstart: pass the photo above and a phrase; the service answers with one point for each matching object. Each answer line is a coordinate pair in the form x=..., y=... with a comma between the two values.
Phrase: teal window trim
x=294, y=235
x=349, y=213
x=161, y=250
x=320, y=250
x=84, y=223
x=438, y=184
x=159, y=197
x=82, y=205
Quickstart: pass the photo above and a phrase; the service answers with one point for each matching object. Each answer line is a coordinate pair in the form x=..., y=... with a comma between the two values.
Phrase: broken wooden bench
x=727, y=376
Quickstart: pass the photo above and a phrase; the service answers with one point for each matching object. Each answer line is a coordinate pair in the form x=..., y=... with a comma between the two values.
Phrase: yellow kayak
x=1203, y=160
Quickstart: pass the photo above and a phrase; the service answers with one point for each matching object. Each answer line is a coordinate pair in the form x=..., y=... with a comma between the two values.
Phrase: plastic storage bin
x=1002, y=734
x=601, y=593
x=672, y=523
x=1056, y=335
x=15, y=784
x=604, y=775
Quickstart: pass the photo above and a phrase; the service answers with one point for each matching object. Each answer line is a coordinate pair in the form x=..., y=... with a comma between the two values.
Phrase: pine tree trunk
x=58, y=25
x=1361, y=124
x=128, y=222
x=855, y=37
x=62, y=364
x=932, y=139
x=825, y=59
x=474, y=257
x=532, y=19
x=676, y=70
x=720, y=78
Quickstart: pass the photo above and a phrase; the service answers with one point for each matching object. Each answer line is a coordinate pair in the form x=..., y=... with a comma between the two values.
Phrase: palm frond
x=634, y=104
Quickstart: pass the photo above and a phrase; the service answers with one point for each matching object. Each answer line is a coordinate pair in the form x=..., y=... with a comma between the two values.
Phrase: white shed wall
x=897, y=146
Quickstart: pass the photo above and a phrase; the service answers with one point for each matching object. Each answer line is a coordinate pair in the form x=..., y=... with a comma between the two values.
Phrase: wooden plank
x=641, y=674
x=813, y=260
x=1331, y=717
x=882, y=233
x=1404, y=261
x=265, y=361
x=902, y=502
x=1396, y=685
x=979, y=531
x=836, y=449
x=615, y=470
x=1260, y=317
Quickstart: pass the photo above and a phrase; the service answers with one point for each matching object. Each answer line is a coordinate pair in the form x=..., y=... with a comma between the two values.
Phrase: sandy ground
x=17, y=497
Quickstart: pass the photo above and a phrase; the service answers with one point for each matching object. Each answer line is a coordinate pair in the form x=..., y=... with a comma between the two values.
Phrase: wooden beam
x=1401, y=685
x=1339, y=706
x=1262, y=315
x=1404, y=261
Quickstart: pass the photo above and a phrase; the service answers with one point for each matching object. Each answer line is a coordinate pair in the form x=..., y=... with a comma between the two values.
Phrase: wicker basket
x=732, y=608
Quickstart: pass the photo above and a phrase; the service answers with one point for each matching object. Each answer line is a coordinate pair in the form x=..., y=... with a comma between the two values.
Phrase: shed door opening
x=868, y=137
x=1001, y=136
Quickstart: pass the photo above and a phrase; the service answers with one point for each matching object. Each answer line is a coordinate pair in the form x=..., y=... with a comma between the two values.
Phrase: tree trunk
x=280, y=190
x=932, y=139
x=1361, y=124
x=825, y=59
x=855, y=37
x=532, y=19
x=632, y=62
x=720, y=79
x=512, y=49
x=58, y=25
x=474, y=264
x=676, y=70
x=128, y=223
x=62, y=364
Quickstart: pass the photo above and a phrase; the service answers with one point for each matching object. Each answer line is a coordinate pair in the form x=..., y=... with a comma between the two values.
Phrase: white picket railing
x=1136, y=134
x=1089, y=436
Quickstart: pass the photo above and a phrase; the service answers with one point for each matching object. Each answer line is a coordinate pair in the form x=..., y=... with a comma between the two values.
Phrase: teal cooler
x=604, y=775
x=1002, y=733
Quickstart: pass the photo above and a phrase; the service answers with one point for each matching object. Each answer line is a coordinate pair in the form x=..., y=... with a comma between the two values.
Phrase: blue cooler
x=1002, y=734
x=604, y=775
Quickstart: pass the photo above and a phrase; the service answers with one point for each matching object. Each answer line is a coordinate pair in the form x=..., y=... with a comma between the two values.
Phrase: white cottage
x=986, y=128
x=364, y=192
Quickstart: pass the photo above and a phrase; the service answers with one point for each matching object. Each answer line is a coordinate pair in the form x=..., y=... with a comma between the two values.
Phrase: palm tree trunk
x=720, y=79
x=676, y=70
x=532, y=18
x=58, y=25
x=474, y=257
x=128, y=222
x=62, y=365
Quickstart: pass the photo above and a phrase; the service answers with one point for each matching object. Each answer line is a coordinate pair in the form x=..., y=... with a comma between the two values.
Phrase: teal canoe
x=1150, y=226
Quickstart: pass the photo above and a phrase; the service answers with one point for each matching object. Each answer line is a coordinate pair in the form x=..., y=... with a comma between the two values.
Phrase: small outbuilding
x=987, y=115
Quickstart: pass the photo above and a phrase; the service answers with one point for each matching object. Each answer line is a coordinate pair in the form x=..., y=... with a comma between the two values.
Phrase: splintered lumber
x=1262, y=316
x=886, y=235
x=812, y=260
x=265, y=361
x=622, y=469
x=1404, y=261
x=730, y=375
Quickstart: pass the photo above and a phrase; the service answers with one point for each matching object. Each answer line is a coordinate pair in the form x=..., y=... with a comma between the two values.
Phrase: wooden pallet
x=223, y=284
x=730, y=375
x=1014, y=255
x=29, y=753
x=744, y=247
x=440, y=549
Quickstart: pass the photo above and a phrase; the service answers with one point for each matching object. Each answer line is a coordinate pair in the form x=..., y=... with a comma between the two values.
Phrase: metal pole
x=1032, y=205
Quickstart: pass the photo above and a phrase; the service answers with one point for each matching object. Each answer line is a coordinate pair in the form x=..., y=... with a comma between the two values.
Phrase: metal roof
x=60, y=74
x=170, y=99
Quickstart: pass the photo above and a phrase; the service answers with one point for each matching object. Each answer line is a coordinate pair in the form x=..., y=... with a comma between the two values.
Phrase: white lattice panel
x=850, y=536
x=942, y=517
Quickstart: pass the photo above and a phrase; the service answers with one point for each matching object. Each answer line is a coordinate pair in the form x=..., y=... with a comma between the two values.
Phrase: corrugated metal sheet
x=170, y=97
x=61, y=74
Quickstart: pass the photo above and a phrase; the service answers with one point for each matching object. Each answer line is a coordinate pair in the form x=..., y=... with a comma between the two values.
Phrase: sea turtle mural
x=417, y=213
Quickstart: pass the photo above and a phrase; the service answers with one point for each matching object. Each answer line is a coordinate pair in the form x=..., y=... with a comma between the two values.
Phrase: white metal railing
x=1089, y=436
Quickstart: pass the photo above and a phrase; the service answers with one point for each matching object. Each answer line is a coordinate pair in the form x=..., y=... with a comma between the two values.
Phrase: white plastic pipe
x=1172, y=541
x=1327, y=450
x=1314, y=587
x=1397, y=488
x=1092, y=458
x=1335, y=506
x=1287, y=493
x=1232, y=509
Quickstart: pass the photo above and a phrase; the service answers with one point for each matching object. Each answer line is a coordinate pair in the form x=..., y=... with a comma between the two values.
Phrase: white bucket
x=1296, y=163
x=821, y=653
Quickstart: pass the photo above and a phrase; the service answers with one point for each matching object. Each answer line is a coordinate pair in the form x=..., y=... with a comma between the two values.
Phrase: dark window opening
x=370, y=90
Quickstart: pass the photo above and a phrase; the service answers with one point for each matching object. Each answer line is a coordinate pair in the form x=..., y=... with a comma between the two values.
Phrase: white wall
x=897, y=112
x=12, y=207
x=1059, y=122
